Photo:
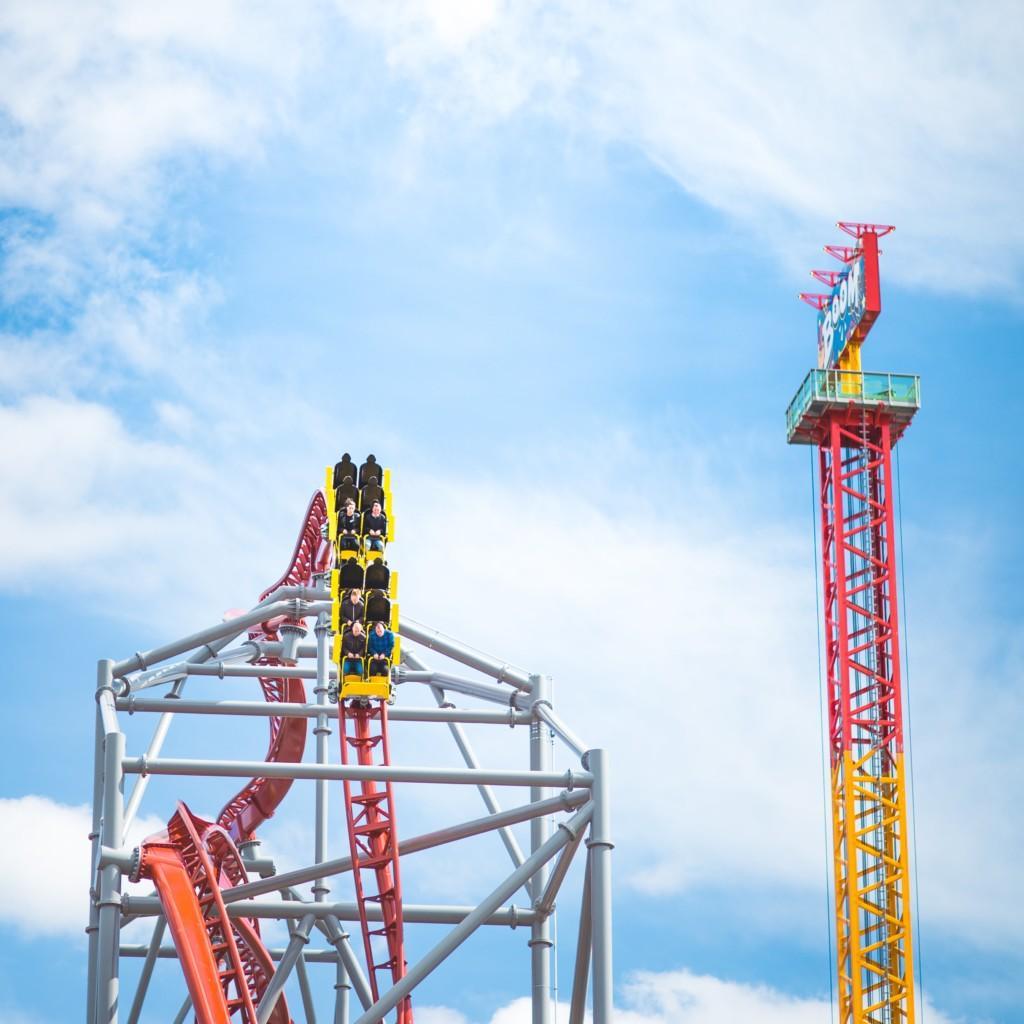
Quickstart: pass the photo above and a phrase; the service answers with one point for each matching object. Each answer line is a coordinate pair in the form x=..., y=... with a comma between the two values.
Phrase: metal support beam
x=341, y=990
x=581, y=971
x=543, y=709
x=252, y=671
x=486, y=792
x=137, y=951
x=296, y=608
x=288, y=909
x=323, y=732
x=308, y=1006
x=540, y=831
x=160, y=733
x=546, y=904
x=147, y=970
x=182, y=1014
x=111, y=829
x=353, y=772
x=94, y=838
x=249, y=651
x=565, y=801
x=338, y=937
x=261, y=709
x=299, y=940
x=600, y=850
x=483, y=910
x=468, y=687
x=448, y=646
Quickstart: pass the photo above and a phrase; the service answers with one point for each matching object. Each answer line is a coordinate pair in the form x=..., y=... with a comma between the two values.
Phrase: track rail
x=226, y=967
x=259, y=798
x=374, y=844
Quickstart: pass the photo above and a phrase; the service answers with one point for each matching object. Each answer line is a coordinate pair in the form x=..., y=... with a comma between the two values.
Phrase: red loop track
x=226, y=967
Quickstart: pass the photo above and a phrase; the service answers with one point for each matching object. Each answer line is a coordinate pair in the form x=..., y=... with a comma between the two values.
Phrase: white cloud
x=683, y=997
x=98, y=94
x=772, y=120
x=440, y=1015
x=86, y=497
x=44, y=864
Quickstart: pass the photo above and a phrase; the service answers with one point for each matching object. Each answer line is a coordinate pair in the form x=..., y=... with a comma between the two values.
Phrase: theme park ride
x=854, y=418
x=208, y=882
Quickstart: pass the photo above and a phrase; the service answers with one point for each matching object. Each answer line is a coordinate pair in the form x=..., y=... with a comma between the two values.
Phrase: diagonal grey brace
x=487, y=906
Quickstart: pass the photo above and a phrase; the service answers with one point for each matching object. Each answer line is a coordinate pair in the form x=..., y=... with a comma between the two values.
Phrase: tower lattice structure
x=855, y=419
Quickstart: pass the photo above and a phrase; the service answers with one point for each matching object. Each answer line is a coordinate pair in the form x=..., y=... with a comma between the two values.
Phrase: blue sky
x=542, y=259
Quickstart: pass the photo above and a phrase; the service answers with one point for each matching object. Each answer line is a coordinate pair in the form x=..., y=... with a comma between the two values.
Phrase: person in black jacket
x=352, y=607
x=375, y=525
x=353, y=647
x=348, y=527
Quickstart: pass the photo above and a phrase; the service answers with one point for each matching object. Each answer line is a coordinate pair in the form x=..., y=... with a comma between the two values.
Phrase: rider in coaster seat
x=370, y=468
x=378, y=607
x=378, y=575
x=348, y=527
x=345, y=490
x=371, y=492
x=352, y=607
x=351, y=574
x=353, y=649
x=379, y=647
x=375, y=527
x=345, y=468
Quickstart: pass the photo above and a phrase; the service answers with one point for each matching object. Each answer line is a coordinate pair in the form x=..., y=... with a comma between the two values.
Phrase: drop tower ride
x=855, y=419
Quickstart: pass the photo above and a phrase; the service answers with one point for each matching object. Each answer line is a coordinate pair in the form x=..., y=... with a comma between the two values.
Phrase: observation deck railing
x=823, y=391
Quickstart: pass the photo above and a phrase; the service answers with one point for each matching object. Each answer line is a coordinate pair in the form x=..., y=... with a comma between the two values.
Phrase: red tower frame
x=855, y=418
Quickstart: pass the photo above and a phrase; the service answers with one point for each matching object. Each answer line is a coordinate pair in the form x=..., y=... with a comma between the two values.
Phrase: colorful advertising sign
x=838, y=321
x=855, y=301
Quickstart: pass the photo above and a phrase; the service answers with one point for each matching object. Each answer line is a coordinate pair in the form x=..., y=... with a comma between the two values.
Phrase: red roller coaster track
x=372, y=840
x=226, y=967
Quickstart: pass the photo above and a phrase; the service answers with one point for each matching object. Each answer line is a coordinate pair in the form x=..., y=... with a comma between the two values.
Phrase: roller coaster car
x=376, y=683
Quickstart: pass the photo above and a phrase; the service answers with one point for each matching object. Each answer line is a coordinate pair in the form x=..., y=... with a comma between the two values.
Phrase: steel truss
x=567, y=810
x=869, y=801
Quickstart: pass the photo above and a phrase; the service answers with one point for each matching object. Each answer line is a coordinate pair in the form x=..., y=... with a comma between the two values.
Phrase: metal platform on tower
x=827, y=392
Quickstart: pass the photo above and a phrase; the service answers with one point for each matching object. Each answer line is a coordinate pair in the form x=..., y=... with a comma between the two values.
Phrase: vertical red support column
x=373, y=843
x=869, y=807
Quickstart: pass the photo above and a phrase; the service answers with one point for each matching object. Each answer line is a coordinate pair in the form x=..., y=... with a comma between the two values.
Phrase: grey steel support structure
x=567, y=810
x=541, y=757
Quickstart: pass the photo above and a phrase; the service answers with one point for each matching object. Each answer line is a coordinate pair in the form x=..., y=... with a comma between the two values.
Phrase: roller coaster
x=339, y=576
x=205, y=892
